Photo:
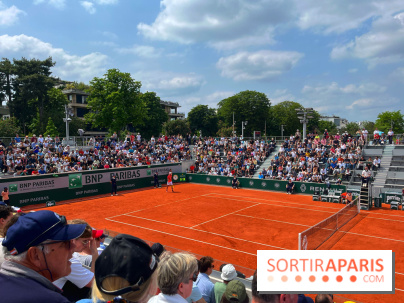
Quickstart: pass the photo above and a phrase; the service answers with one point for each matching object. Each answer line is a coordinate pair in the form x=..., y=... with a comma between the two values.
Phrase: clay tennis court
x=231, y=225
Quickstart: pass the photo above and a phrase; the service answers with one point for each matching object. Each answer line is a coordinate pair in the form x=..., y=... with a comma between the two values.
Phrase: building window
x=81, y=112
x=172, y=110
x=70, y=97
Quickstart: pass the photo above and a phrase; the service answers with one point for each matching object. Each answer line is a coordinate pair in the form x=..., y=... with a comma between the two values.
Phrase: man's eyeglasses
x=212, y=266
x=100, y=238
x=85, y=242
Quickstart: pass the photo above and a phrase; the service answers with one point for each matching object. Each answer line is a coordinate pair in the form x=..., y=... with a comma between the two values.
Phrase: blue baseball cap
x=35, y=228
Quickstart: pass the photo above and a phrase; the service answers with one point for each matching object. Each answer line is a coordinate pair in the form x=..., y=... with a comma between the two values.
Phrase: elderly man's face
x=57, y=260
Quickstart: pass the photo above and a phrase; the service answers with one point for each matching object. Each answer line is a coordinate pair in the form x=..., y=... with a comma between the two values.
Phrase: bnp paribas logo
x=75, y=181
x=149, y=172
x=13, y=188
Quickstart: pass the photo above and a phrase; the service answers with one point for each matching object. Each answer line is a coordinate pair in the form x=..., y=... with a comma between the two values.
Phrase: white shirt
x=162, y=298
x=79, y=275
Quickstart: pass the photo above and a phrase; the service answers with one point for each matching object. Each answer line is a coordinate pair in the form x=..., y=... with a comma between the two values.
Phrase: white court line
x=399, y=289
x=341, y=231
x=178, y=236
x=209, y=232
x=386, y=219
x=225, y=215
x=399, y=273
x=269, y=200
x=135, y=211
x=278, y=221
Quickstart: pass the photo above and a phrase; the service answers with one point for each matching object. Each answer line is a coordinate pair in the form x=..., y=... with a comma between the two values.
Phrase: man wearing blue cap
x=37, y=249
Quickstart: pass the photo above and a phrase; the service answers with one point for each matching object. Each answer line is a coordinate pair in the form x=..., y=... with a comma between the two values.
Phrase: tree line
x=116, y=104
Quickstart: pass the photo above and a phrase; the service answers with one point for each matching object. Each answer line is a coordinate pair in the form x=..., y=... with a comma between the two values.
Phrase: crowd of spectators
x=317, y=158
x=39, y=155
x=230, y=156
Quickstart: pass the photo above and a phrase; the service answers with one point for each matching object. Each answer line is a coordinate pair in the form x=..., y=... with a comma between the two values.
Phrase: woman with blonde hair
x=125, y=272
x=175, y=278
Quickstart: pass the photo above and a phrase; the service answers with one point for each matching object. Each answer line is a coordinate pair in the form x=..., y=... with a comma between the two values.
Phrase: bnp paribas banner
x=58, y=187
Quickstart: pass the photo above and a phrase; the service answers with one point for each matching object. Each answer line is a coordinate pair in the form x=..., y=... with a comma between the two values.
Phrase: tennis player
x=170, y=181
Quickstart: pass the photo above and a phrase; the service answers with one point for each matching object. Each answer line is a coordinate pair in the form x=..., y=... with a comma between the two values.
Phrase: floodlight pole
x=243, y=124
x=305, y=115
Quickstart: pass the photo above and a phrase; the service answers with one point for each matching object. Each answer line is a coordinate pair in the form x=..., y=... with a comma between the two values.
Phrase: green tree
x=9, y=128
x=115, y=102
x=31, y=86
x=351, y=128
x=155, y=116
x=387, y=120
x=176, y=127
x=224, y=131
x=202, y=118
x=327, y=125
x=78, y=85
x=248, y=106
x=51, y=129
x=74, y=126
x=369, y=126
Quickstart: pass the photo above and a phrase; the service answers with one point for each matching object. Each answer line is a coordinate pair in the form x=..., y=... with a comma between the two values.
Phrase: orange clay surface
x=231, y=225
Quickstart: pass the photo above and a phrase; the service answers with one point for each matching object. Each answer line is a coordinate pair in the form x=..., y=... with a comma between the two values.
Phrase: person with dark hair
x=37, y=249
x=290, y=186
x=158, y=249
x=235, y=293
x=196, y=295
x=113, y=185
x=156, y=180
x=234, y=182
x=324, y=298
x=5, y=197
x=6, y=213
x=203, y=282
x=270, y=298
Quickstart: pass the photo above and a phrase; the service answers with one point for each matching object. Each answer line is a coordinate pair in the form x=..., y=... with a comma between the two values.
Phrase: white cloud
x=223, y=24
x=382, y=44
x=335, y=89
x=79, y=68
x=353, y=70
x=362, y=103
x=143, y=51
x=281, y=95
x=59, y=4
x=399, y=74
x=9, y=15
x=106, y=2
x=265, y=64
x=110, y=35
x=167, y=84
x=88, y=6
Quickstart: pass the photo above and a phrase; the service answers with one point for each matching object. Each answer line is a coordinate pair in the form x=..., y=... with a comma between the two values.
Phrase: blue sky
x=342, y=57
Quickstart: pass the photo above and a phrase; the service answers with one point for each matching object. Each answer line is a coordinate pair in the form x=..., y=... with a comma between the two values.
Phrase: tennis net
x=313, y=237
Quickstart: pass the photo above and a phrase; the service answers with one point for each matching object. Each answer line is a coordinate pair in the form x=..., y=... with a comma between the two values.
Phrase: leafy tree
x=369, y=126
x=74, y=126
x=176, y=127
x=387, y=120
x=78, y=85
x=9, y=128
x=31, y=84
x=330, y=126
x=224, y=131
x=351, y=128
x=284, y=113
x=6, y=80
x=202, y=118
x=155, y=117
x=248, y=106
x=115, y=102
x=51, y=129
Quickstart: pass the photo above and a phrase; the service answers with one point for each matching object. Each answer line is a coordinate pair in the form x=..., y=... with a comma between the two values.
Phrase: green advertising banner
x=49, y=189
x=263, y=184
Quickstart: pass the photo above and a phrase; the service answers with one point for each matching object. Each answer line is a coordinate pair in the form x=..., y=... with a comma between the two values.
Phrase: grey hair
x=175, y=269
x=22, y=256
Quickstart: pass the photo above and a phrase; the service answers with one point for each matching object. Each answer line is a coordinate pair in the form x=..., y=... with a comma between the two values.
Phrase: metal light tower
x=243, y=124
x=304, y=114
x=67, y=119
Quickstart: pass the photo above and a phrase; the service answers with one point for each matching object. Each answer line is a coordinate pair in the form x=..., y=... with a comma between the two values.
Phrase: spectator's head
x=207, y=265
x=6, y=213
x=41, y=241
x=83, y=241
x=324, y=298
x=176, y=274
x=5, y=189
x=228, y=273
x=235, y=293
x=270, y=298
x=127, y=268
x=158, y=249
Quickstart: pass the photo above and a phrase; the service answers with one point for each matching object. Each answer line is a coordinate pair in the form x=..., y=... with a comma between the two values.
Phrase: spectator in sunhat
x=37, y=249
x=228, y=274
